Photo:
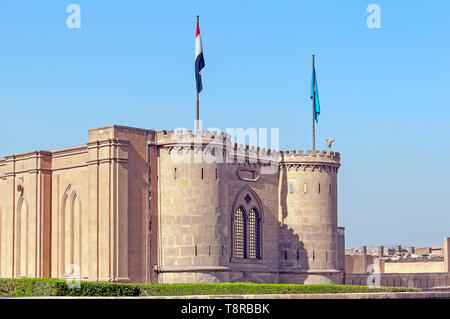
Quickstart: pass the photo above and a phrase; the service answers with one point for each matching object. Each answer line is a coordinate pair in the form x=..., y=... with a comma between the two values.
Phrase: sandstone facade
x=135, y=205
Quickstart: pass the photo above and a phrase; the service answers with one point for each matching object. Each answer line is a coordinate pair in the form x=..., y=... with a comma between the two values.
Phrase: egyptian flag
x=199, y=61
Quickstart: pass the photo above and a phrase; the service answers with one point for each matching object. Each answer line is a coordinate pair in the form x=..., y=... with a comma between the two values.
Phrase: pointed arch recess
x=247, y=223
x=22, y=238
x=71, y=233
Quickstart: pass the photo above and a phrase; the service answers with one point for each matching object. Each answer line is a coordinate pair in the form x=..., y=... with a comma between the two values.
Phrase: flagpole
x=314, y=109
x=198, y=103
x=198, y=111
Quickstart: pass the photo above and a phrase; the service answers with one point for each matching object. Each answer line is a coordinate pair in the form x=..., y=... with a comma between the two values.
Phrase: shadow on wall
x=293, y=259
x=137, y=187
x=293, y=255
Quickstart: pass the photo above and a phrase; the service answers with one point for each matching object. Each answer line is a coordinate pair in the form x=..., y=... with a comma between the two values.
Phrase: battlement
x=310, y=156
x=186, y=140
x=212, y=138
x=180, y=135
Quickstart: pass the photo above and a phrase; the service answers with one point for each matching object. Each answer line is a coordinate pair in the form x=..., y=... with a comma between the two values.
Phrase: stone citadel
x=136, y=205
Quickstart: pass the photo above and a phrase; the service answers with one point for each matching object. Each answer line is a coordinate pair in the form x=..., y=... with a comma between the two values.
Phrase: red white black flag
x=199, y=61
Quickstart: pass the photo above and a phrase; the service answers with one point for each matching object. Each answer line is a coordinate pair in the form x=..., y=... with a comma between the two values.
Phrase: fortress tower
x=308, y=213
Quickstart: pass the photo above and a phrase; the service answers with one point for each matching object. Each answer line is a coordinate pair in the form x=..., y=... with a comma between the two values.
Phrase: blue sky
x=384, y=92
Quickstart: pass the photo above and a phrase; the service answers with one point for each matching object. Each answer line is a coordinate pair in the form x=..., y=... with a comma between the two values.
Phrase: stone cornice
x=298, y=166
x=107, y=142
x=97, y=155
x=27, y=155
x=69, y=151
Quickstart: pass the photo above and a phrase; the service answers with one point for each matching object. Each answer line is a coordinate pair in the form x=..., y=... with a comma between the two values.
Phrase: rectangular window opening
x=209, y=250
x=285, y=254
x=329, y=190
x=298, y=254
x=216, y=173
x=195, y=250
x=304, y=188
x=319, y=188
x=313, y=255
x=175, y=175
x=291, y=188
x=202, y=172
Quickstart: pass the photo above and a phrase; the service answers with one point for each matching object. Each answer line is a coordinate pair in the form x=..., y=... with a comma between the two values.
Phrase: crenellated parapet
x=216, y=144
x=170, y=139
x=219, y=145
x=309, y=160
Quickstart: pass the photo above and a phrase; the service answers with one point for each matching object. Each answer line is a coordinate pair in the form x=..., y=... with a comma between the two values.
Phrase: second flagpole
x=198, y=104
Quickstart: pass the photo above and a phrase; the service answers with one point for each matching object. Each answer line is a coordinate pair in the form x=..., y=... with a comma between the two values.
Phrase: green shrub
x=56, y=287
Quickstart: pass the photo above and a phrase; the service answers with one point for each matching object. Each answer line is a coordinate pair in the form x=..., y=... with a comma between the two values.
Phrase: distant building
x=424, y=267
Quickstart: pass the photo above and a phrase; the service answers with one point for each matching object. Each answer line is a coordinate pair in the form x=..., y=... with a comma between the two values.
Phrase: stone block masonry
x=137, y=205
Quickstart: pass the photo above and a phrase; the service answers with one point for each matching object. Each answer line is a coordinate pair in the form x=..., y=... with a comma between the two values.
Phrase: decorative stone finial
x=329, y=142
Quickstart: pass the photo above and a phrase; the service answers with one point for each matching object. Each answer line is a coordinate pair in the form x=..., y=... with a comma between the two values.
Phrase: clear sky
x=384, y=92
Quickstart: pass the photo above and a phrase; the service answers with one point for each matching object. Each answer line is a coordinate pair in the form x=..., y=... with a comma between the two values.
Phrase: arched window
x=22, y=238
x=71, y=234
x=239, y=230
x=254, y=227
x=247, y=225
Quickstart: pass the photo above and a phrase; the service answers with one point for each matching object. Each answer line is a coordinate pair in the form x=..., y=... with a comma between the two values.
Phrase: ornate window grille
x=239, y=225
x=254, y=239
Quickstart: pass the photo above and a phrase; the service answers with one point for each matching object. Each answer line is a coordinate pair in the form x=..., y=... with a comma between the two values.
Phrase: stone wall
x=418, y=280
x=414, y=267
x=122, y=208
x=24, y=215
x=71, y=207
x=398, y=260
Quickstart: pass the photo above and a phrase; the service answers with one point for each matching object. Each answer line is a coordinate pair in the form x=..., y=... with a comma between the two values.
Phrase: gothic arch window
x=247, y=226
x=71, y=233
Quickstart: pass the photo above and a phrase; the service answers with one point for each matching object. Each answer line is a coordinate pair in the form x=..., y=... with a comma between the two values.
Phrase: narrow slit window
x=298, y=254
x=291, y=188
x=313, y=255
x=329, y=189
x=216, y=173
x=285, y=254
x=175, y=174
x=195, y=250
x=202, y=172
x=319, y=188
x=304, y=188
